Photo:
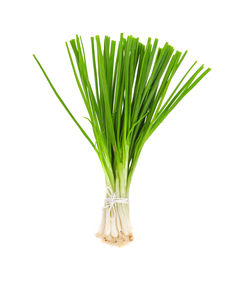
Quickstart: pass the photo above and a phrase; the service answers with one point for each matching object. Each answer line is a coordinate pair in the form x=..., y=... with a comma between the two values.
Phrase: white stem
x=115, y=226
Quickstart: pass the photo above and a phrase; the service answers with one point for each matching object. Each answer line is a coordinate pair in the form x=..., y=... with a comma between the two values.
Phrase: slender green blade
x=64, y=105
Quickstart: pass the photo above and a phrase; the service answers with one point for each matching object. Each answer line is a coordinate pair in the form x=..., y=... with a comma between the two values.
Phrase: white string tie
x=112, y=199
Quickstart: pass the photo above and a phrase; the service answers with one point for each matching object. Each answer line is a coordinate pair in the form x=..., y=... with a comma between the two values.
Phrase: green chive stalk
x=126, y=104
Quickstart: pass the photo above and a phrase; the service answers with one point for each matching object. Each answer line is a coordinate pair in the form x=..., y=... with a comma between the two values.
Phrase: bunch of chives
x=129, y=99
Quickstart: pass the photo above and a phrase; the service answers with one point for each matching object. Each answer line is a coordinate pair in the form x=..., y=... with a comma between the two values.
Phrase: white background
x=190, y=192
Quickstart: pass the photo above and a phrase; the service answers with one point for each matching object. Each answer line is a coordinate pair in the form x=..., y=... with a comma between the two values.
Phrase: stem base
x=115, y=226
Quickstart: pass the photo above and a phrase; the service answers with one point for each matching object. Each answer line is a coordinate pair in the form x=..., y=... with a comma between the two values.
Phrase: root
x=119, y=241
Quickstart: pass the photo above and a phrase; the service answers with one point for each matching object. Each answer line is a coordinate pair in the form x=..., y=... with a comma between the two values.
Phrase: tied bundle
x=126, y=103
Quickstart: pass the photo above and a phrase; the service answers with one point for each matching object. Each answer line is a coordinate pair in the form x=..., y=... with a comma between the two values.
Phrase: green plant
x=126, y=105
